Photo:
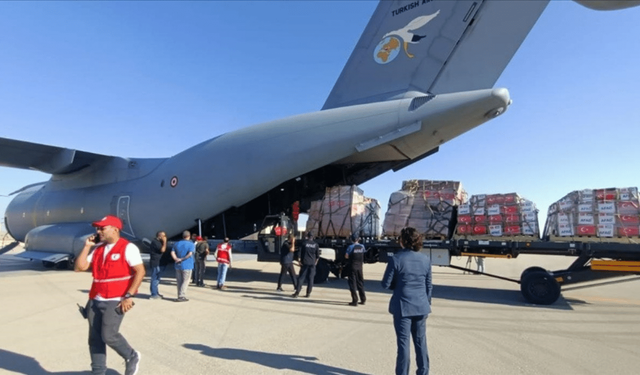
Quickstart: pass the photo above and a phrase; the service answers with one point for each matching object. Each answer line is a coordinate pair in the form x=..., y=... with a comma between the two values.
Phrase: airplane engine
x=608, y=4
x=57, y=242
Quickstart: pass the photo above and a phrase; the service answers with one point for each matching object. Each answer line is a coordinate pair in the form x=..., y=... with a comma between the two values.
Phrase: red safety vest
x=223, y=253
x=113, y=276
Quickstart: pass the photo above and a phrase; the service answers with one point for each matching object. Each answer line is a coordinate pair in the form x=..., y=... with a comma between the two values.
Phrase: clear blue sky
x=150, y=79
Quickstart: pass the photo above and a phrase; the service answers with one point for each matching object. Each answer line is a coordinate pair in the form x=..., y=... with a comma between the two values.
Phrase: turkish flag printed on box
x=495, y=199
x=509, y=209
x=586, y=230
x=479, y=229
x=627, y=207
x=511, y=229
x=511, y=198
x=606, y=194
x=464, y=219
x=495, y=218
x=512, y=218
x=480, y=219
x=629, y=231
x=464, y=229
x=629, y=219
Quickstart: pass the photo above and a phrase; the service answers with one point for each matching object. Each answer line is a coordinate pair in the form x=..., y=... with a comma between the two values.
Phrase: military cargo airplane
x=421, y=74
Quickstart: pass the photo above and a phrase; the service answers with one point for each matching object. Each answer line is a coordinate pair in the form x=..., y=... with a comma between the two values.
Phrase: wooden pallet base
x=631, y=240
x=494, y=238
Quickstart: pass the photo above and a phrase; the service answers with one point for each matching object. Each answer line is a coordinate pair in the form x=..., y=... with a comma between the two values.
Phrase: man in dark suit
x=408, y=274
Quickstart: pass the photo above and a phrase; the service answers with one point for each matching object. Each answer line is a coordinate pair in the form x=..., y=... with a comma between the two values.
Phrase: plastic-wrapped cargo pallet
x=595, y=215
x=497, y=215
x=425, y=205
x=344, y=210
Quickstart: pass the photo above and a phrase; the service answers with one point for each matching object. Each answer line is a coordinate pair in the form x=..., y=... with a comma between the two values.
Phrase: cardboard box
x=633, y=231
x=605, y=230
x=495, y=230
x=586, y=230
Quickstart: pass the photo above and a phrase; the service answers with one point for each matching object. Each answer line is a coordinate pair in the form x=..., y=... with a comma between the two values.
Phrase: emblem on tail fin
x=389, y=47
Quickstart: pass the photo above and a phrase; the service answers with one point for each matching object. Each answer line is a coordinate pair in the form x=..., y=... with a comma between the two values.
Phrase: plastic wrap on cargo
x=425, y=205
x=344, y=210
x=497, y=215
x=594, y=214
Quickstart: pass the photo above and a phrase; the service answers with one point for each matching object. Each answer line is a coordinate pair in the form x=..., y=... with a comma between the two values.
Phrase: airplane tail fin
x=410, y=48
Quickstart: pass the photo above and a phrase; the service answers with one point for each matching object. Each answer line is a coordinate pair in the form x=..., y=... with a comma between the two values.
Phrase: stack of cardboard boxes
x=599, y=213
x=497, y=215
x=425, y=205
x=344, y=211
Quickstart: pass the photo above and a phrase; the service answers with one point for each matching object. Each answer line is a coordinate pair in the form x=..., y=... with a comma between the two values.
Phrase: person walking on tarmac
x=309, y=255
x=286, y=262
x=355, y=256
x=223, y=256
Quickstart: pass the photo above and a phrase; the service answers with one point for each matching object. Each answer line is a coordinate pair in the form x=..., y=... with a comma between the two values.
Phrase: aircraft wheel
x=540, y=288
x=322, y=272
x=46, y=264
x=531, y=269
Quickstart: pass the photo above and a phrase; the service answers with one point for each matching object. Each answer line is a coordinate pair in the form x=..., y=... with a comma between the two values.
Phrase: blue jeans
x=155, y=279
x=407, y=327
x=222, y=273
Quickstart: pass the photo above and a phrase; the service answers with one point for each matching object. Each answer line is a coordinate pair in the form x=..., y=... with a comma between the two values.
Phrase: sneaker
x=280, y=290
x=157, y=296
x=294, y=295
x=307, y=295
x=132, y=364
x=362, y=302
x=223, y=287
x=182, y=299
x=353, y=304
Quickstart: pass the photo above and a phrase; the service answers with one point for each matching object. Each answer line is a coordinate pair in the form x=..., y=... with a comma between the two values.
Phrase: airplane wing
x=48, y=159
x=465, y=46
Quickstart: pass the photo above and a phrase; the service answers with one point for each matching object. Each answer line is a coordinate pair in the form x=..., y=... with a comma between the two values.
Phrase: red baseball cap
x=198, y=238
x=108, y=220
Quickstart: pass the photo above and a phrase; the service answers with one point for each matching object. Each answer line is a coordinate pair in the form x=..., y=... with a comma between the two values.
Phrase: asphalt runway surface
x=479, y=325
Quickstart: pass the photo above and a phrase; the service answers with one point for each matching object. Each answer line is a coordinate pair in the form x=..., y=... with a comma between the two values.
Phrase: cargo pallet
x=595, y=261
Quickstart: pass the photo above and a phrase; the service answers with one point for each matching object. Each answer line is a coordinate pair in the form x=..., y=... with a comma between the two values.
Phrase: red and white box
x=627, y=207
x=495, y=199
x=495, y=218
x=512, y=219
x=512, y=230
x=464, y=229
x=465, y=219
x=606, y=194
x=509, y=209
x=479, y=229
x=480, y=219
x=529, y=216
x=628, y=219
x=633, y=231
x=586, y=230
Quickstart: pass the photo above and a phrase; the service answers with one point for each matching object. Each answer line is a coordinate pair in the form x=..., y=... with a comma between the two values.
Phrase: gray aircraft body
x=421, y=74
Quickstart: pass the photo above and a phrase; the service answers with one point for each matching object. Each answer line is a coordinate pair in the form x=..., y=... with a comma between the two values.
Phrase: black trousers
x=306, y=273
x=284, y=269
x=356, y=285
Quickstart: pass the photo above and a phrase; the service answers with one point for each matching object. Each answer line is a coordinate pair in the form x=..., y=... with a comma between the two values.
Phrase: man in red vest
x=117, y=273
x=223, y=256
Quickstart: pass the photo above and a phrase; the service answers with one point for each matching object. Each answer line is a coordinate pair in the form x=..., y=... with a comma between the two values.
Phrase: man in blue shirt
x=182, y=254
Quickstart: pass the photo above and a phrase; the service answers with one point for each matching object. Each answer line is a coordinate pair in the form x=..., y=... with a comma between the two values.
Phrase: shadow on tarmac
x=22, y=364
x=273, y=360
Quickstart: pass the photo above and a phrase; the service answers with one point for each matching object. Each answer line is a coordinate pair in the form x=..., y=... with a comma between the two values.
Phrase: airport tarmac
x=479, y=325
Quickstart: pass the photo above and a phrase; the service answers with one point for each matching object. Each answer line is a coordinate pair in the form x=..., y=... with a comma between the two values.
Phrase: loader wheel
x=540, y=288
x=322, y=272
x=531, y=269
